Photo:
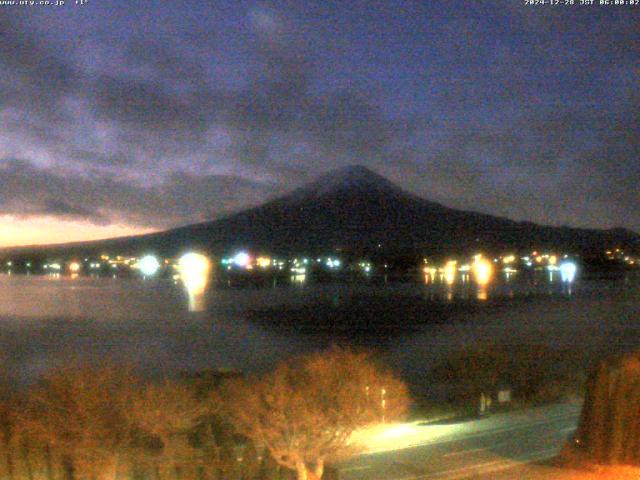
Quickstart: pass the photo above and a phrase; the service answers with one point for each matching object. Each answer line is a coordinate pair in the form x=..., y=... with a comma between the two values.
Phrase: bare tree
x=79, y=413
x=168, y=412
x=7, y=435
x=305, y=411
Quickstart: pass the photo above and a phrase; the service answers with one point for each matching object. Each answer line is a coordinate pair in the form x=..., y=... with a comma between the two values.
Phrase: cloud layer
x=156, y=128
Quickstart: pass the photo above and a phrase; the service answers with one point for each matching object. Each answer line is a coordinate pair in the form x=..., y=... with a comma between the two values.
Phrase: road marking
x=463, y=452
x=354, y=469
x=482, y=468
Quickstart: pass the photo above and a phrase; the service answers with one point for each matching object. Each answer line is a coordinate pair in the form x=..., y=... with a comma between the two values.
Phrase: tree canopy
x=305, y=411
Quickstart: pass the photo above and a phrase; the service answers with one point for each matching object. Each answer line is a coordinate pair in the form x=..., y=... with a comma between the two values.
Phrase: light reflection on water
x=44, y=319
x=195, y=272
x=122, y=298
x=454, y=286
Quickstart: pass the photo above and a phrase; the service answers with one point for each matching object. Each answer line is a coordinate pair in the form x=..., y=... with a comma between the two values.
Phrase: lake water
x=45, y=321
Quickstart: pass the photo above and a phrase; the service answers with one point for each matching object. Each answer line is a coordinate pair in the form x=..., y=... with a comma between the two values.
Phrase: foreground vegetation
x=102, y=423
x=609, y=430
x=83, y=422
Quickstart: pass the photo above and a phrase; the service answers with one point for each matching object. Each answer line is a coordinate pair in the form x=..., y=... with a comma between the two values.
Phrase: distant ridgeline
x=353, y=211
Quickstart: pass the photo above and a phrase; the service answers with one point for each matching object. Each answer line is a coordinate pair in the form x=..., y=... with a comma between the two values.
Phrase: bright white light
x=241, y=259
x=568, y=271
x=74, y=267
x=386, y=437
x=149, y=265
x=333, y=263
x=194, y=270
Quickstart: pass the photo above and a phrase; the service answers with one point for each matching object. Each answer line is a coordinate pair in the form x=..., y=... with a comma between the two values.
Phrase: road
x=476, y=449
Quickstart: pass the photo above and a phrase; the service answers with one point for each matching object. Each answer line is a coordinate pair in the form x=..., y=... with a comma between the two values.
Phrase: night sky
x=123, y=117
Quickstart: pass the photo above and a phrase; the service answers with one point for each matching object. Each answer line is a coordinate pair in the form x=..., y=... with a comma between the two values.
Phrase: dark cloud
x=92, y=157
x=182, y=198
x=493, y=119
x=34, y=79
x=62, y=208
x=569, y=165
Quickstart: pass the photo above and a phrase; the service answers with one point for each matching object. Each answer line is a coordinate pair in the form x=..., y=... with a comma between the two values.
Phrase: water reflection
x=430, y=274
x=194, y=272
x=568, y=271
x=299, y=278
x=450, y=272
x=478, y=281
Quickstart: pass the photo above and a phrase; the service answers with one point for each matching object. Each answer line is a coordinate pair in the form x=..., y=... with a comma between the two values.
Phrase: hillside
x=355, y=209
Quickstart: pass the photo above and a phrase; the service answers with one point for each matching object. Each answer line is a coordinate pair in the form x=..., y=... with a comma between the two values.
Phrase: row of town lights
x=481, y=267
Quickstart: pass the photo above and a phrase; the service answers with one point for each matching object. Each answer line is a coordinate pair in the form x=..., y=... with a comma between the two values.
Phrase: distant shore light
x=242, y=259
x=482, y=270
x=193, y=266
x=149, y=265
x=263, y=262
x=568, y=271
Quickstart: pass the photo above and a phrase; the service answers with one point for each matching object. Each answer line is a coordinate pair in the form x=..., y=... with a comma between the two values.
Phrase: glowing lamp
x=149, y=265
x=482, y=270
x=194, y=270
x=263, y=262
x=74, y=267
x=568, y=271
x=241, y=259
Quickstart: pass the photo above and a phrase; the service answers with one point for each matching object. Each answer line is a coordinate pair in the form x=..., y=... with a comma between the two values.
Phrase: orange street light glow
x=482, y=270
x=450, y=270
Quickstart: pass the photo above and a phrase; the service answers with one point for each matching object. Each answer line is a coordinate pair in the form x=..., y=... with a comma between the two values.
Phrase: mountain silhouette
x=355, y=209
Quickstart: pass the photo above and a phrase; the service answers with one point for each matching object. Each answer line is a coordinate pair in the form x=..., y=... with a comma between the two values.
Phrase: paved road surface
x=476, y=449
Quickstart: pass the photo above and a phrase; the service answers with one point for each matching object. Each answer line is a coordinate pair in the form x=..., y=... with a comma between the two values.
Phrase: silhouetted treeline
x=534, y=373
